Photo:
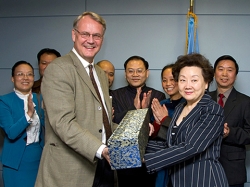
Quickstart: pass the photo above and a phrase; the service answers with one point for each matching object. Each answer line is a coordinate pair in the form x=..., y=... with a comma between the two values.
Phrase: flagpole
x=192, y=45
x=191, y=6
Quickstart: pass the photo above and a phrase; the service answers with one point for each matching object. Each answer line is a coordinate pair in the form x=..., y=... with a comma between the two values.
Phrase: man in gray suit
x=75, y=133
x=237, y=120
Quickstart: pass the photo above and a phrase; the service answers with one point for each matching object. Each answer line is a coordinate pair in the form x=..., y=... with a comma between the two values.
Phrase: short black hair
x=169, y=66
x=19, y=63
x=136, y=58
x=48, y=51
x=196, y=60
x=226, y=57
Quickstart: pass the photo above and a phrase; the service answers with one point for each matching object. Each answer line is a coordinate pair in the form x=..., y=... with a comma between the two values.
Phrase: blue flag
x=192, y=43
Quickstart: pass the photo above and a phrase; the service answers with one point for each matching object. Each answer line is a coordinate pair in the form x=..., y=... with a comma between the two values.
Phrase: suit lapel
x=18, y=104
x=188, y=119
x=185, y=122
x=173, y=121
x=104, y=86
x=82, y=73
x=230, y=103
x=214, y=95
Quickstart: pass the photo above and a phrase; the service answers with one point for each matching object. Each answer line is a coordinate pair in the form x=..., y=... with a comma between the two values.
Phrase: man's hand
x=146, y=99
x=105, y=154
x=226, y=130
x=151, y=129
x=159, y=111
x=137, y=101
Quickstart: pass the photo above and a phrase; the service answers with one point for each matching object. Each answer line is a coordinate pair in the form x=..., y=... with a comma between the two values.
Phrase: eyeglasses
x=21, y=75
x=138, y=71
x=86, y=35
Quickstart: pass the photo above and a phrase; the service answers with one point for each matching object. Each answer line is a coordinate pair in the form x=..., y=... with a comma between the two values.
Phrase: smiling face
x=191, y=84
x=23, y=78
x=169, y=85
x=225, y=74
x=87, y=48
x=136, y=73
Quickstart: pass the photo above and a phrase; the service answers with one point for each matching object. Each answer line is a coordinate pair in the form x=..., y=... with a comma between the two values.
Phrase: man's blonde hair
x=93, y=16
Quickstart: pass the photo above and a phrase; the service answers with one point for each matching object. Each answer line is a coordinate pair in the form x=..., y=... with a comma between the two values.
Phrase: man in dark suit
x=136, y=95
x=237, y=120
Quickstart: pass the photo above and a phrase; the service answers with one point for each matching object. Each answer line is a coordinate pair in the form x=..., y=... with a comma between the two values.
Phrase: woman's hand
x=31, y=109
x=159, y=111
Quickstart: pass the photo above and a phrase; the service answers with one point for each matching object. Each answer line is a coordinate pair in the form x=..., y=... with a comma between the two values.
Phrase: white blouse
x=33, y=130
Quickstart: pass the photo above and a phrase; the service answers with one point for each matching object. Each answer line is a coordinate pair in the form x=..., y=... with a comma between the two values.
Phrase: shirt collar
x=134, y=89
x=21, y=95
x=226, y=94
x=84, y=62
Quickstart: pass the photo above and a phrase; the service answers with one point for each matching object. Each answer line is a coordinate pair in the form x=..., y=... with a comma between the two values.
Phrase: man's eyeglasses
x=137, y=71
x=86, y=35
x=21, y=75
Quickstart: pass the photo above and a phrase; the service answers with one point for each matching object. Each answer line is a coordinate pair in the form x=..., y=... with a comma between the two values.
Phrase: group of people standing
x=194, y=141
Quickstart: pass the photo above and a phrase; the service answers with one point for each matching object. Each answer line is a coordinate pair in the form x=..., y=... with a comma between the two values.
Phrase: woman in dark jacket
x=195, y=132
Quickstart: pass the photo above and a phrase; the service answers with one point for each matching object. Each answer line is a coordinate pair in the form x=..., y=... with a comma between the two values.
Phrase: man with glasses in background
x=134, y=96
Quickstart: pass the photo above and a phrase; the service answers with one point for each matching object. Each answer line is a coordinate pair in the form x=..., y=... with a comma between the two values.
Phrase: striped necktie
x=104, y=114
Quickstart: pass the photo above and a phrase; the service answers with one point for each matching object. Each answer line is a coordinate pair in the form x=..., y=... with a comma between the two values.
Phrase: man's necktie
x=220, y=102
x=104, y=114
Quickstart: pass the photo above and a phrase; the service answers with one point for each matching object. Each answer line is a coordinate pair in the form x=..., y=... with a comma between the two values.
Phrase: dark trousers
x=135, y=177
x=104, y=176
x=169, y=182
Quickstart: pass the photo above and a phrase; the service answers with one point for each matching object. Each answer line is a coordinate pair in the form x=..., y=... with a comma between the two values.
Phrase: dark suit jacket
x=193, y=154
x=233, y=151
x=36, y=88
x=123, y=100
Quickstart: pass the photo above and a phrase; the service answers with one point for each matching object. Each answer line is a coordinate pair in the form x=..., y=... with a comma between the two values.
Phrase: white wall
x=154, y=29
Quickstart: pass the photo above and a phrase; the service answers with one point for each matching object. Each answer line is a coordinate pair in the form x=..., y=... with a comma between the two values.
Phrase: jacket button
x=100, y=130
x=99, y=108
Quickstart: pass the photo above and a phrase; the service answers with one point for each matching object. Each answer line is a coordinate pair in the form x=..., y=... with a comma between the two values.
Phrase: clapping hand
x=158, y=110
x=145, y=100
x=145, y=103
x=31, y=109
